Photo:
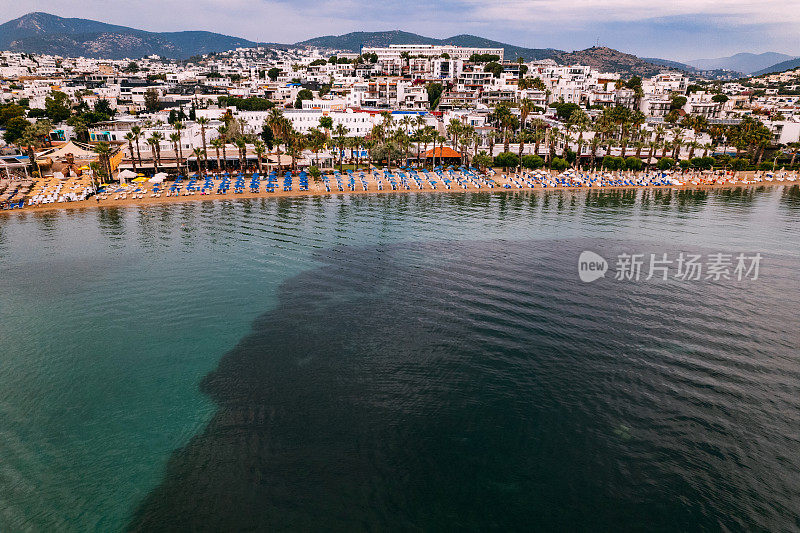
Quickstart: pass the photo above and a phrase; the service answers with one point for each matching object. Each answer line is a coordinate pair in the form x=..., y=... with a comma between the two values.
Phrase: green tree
x=633, y=163
x=104, y=151
x=203, y=123
x=273, y=73
x=316, y=142
x=665, y=163
x=326, y=123
x=677, y=102
x=10, y=111
x=217, y=144
x=260, y=150
x=151, y=100
x=303, y=94
x=341, y=131
x=57, y=106
x=15, y=129
x=130, y=137
x=559, y=164
x=434, y=90
x=495, y=68
x=506, y=160
x=103, y=107
x=482, y=160
x=532, y=162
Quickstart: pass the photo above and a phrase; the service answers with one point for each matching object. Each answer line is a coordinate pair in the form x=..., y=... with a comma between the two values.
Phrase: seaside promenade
x=78, y=192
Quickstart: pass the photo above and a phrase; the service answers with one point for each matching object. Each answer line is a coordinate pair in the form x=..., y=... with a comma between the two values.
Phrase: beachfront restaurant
x=443, y=156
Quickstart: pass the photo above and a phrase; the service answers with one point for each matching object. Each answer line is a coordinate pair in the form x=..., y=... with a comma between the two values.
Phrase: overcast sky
x=670, y=29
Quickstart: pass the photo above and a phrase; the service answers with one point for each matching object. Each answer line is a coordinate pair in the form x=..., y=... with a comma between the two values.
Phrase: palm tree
x=455, y=129
x=426, y=137
x=509, y=123
x=693, y=145
x=241, y=145
x=526, y=106
x=137, y=133
x=640, y=144
x=552, y=139
x=465, y=139
x=203, y=122
x=795, y=148
x=594, y=144
x=223, y=137
x=369, y=144
x=155, y=146
x=103, y=150
x=677, y=143
x=340, y=130
x=179, y=127
x=388, y=120
x=659, y=131
x=580, y=121
x=522, y=136
x=216, y=144
x=316, y=141
x=295, y=143
x=175, y=139
x=130, y=137
x=198, y=154
x=259, y=149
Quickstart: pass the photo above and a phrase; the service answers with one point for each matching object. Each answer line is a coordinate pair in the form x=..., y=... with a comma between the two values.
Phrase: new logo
x=591, y=266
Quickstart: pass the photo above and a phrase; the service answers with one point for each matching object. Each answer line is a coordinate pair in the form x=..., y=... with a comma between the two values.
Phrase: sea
x=512, y=361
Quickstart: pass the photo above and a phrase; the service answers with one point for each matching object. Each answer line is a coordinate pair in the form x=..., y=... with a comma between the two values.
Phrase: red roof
x=442, y=152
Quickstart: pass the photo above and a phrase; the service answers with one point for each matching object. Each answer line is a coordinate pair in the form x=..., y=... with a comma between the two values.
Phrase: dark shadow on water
x=462, y=387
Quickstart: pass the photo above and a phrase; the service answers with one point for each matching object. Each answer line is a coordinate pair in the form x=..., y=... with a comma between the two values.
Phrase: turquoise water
x=111, y=319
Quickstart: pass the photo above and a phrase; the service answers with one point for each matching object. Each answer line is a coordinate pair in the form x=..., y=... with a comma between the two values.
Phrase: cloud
x=674, y=29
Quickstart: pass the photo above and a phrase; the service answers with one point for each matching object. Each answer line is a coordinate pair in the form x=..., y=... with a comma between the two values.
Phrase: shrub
x=506, y=160
x=532, y=162
x=633, y=163
x=665, y=163
x=482, y=160
x=704, y=163
x=613, y=163
x=558, y=163
x=740, y=163
x=765, y=165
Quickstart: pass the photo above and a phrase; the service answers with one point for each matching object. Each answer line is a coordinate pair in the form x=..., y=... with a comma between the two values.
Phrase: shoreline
x=91, y=203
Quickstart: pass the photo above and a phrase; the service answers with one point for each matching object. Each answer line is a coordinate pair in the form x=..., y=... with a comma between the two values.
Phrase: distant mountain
x=609, y=60
x=745, y=62
x=669, y=64
x=779, y=67
x=48, y=34
x=353, y=42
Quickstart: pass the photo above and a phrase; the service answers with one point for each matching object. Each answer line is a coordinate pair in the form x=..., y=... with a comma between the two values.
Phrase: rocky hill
x=353, y=42
x=609, y=60
x=48, y=34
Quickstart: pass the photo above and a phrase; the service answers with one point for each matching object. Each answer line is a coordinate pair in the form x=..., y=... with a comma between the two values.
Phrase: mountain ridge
x=43, y=33
x=789, y=64
x=744, y=62
x=49, y=34
x=355, y=41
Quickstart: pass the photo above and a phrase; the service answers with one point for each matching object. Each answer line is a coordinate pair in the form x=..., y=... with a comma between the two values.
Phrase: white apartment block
x=392, y=53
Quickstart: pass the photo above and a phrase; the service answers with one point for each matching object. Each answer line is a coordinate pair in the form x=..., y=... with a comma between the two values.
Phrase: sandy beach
x=121, y=196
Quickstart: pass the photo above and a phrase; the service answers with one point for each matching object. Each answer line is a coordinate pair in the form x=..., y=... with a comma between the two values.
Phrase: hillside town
x=396, y=106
